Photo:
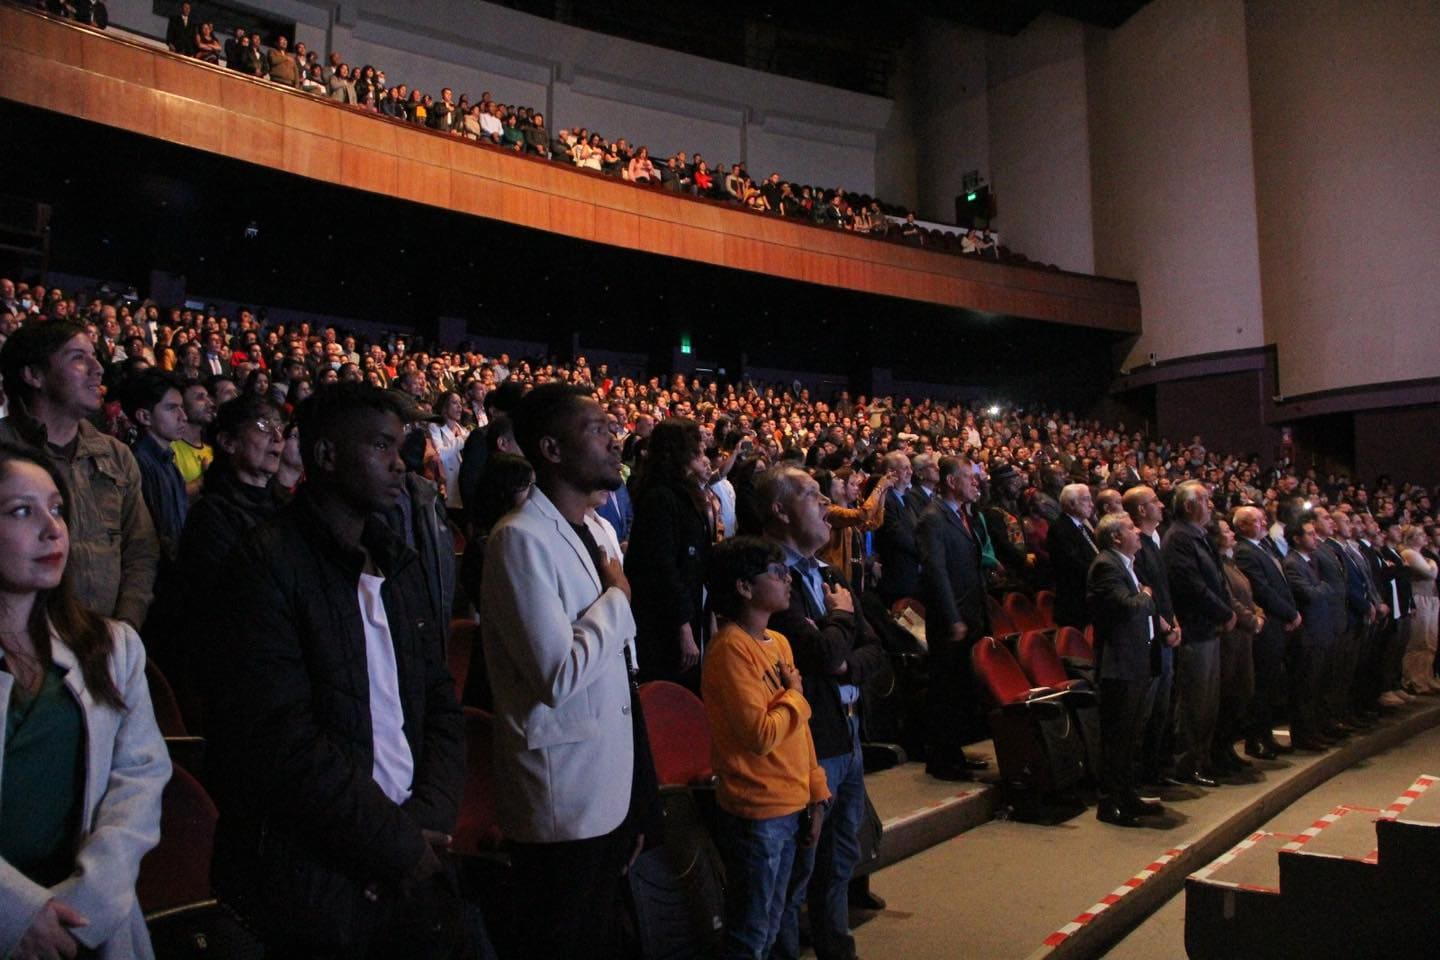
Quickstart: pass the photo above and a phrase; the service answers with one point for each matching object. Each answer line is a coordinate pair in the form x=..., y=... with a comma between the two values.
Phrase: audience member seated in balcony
x=181, y=30
x=704, y=182
x=772, y=790
x=537, y=138
x=207, y=45
x=735, y=184
x=513, y=138
x=313, y=82
x=342, y=87
x=669, y=543
x=367, y=87
x=252, y=58
x=84, y=764
x=771, y=188
x=641, y=169
x=444, y=115
x=235, y=49
x=615, y=161
x=911, y=232
x=754, y=199
x=789, y=203
x=830, y=214
x=281, y=65
x=492, y=127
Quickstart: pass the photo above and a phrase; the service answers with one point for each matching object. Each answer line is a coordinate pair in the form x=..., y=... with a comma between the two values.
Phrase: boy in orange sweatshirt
x=771, y=790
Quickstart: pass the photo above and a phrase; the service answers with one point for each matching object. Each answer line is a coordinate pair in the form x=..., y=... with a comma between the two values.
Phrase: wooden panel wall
x=110, y=80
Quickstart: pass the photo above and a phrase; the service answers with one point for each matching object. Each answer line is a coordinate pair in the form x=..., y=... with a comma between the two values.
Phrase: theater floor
x=1001, y=889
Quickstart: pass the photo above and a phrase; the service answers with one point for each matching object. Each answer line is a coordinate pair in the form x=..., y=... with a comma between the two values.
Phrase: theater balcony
x=114, y=81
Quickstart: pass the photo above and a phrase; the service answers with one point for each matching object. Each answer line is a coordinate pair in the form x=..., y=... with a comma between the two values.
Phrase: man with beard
x=573, y=793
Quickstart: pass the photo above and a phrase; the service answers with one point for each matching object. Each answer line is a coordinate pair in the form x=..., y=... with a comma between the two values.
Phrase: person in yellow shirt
x=771, y=790
x=193, y=455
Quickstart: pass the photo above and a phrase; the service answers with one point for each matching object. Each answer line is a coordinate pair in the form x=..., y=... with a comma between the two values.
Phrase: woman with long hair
x=449, y=439
x=83, y=763
x=669, y=544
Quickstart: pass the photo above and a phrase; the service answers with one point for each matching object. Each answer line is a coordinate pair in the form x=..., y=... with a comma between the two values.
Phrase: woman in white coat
x=82, y=762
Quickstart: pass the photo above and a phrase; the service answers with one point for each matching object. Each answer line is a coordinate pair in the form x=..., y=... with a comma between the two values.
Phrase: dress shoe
x=1237, y=762
x=1309, y=743
x=1142, y=807
x=1198, y=779
x=866, y=900
x=1109, y=812
x=1277, y=746
x=949, y=771
x=1260, y=750
x=976, y=763
x=1336, y=730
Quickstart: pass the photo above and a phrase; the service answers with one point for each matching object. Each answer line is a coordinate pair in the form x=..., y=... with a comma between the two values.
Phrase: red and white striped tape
x=927, y=810
x=1421, y=784
x=1312, y=831
x=1113, y=897
x=1228, y=856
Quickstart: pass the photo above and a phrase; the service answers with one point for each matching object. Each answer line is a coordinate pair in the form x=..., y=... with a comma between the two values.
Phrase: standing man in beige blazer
x=555, y=614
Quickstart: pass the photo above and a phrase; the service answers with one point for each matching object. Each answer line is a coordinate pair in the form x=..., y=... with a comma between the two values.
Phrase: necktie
x=1085, y=532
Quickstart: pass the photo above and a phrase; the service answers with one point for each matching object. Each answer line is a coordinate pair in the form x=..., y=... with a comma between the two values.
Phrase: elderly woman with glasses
x=240, y=493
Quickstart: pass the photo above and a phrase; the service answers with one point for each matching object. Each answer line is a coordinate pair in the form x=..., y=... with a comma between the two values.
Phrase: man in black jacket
x=180, y=32
x=1306, y=654
x=952, y=588
x=895, y=540
x=1127, y=642
x=1202, y=608
x=1071, y=544
x=337, y=743
x=1272, y=594
x=1144, y=508
x=837, y=653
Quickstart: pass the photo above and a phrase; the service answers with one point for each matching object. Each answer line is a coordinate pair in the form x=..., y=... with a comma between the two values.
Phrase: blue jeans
x=763, y=882
x=838, y=853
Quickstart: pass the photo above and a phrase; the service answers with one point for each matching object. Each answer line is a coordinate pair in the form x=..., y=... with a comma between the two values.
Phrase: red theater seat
x=477, y=830
x=164, y=702
x=177, y=872
x=1045, y=607
x=1070, y=642
x=1022, y=613
x=907, y=603
x=1000, y=623
x=1042, y=664
x=679, y=734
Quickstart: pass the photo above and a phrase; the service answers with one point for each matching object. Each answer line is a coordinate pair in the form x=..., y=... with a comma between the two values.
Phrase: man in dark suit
x=837, y=653
x=1202, y=607
x=1272, y=594
x=1306, y=654
x=895, y=540
x=213, y=361
x=1127, y=648
x=1071, y=544
x=1332, y=570
x=953, y=591
x=180, y=32
x=926, y=477
x=1353, y=613
x=1144, y=508
x=1364, y=695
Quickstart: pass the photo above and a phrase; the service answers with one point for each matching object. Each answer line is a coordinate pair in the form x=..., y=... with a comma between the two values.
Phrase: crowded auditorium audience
x=294, y=500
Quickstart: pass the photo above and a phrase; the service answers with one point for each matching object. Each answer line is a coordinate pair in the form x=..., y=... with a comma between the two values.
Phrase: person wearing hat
x=1007, y=534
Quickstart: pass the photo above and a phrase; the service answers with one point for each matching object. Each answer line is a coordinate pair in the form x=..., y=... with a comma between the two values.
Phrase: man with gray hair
x=1071, y=543
x=1127, y=644
x=926, y=471
x=1143, y=506
x=837, y=653
x=1201, y=599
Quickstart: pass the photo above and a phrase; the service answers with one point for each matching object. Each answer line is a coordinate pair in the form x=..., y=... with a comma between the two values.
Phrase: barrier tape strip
x=938, y=805
x=1312, y=831
x=1421, y=784
x=1110, y=899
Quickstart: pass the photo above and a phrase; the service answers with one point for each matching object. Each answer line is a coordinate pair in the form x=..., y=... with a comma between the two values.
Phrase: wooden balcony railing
x=108, y=79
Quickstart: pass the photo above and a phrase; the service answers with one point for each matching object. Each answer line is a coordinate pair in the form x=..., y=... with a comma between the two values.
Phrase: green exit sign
x=685, y=343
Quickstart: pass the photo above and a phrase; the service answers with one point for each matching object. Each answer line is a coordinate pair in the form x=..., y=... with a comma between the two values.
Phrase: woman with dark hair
x=83, y=765
x=504, y=485
x=669, y=544
x=257, y=384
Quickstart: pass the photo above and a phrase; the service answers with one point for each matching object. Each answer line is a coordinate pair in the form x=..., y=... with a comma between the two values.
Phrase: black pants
x=1124, y=709
x=568, y=895
x=1268, y=653
x=1304, y=658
